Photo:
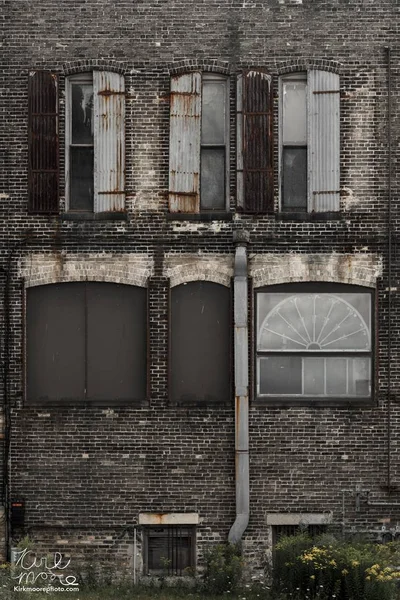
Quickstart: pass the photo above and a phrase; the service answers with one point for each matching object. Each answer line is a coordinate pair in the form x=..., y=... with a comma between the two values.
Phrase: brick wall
x=97, y=468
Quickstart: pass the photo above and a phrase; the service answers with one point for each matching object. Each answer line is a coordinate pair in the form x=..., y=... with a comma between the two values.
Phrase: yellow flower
x=333, y=563
x=345, y=572
x=355, y=563
x=312, y=577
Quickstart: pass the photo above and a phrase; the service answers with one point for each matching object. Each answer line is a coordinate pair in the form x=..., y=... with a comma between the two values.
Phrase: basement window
x=169, y=550
x=314, y=341
x=279, y=531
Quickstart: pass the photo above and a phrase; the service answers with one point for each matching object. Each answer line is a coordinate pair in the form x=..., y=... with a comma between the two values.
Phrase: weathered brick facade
x=87, y=472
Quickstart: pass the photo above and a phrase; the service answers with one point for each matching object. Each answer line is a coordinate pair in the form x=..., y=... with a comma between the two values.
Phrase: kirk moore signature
x=29, y=568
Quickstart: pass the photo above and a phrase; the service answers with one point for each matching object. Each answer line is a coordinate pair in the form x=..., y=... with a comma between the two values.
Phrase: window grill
x=279, y=531
x=169, y=550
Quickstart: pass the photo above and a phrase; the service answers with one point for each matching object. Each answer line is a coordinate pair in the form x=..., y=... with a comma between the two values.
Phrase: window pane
x=359, y=377
x=294, y=124
x=294, y=179
x=336, y=376
x=116, y=346
x=81, y=179
x=82, y=113
x=56, y=342
x=314, y=376
x=280, y=375
x=200, y=342
x=213, y=112
x=212, y=182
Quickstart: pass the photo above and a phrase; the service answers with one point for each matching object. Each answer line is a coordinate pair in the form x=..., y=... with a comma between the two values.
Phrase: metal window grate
x=169, y=550
x=279, y=531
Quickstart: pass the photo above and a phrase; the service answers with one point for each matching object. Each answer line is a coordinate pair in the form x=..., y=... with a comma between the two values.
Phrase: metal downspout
x=241, y=389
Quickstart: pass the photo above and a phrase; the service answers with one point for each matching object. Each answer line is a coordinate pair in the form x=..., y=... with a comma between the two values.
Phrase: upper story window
x=199, y=143
x=94, y=139
x=309, y=142
x=314, y=342
x=95, y=142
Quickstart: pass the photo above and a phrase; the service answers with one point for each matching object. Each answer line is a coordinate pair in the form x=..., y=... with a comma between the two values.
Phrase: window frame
x=207, y=76
x=85, y=78
x=317, y=401
x=295, y=76
x=315, y=169
x=150, y=531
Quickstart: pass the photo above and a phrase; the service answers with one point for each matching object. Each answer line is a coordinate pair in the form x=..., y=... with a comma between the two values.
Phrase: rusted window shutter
x=43, y=171
x=109, y=141
x=184, y=148
x=255, y=149
x=324, y=141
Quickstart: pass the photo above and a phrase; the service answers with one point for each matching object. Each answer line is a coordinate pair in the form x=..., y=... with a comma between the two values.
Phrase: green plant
x=326, y=569
x=223, y=568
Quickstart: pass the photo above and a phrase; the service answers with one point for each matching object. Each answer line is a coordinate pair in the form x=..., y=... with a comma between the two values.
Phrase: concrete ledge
x=299, y=518
x=168, y=518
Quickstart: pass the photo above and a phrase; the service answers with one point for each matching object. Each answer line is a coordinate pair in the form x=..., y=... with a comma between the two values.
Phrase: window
x=314, y=342
x=279, y=531
x=169, y=550
x=200, y=343
x=309, y=142
x=86, y=342
x=95, y=142
x=199, y=142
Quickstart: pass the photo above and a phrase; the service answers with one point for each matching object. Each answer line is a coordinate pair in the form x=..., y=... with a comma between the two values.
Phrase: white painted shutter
x=109, y=141
x=324, y=141
x=184, y=143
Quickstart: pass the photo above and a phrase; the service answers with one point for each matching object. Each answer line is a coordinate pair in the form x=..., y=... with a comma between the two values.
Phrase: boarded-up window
x=86, y=342
x=255, y=186
x=200, y=343
x=169, y=550
x=43, y=142
x=199, y=142
x=309, y=142
x=95, y=139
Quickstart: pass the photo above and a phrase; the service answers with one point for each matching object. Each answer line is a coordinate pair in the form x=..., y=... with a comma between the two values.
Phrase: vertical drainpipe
x=241, y=238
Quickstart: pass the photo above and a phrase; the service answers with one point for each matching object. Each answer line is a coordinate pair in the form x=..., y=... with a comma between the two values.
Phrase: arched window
x=200, y=343
x=86, y=342
x=314, y=341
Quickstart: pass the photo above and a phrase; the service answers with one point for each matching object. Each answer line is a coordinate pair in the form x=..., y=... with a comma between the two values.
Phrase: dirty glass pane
x=82, y=113
x=81, y=179
x=294, y=179
x=116, y=345
x=314, y=376
x=55, y=342
x=280, y=375
x=200, y=342
x=294, y=121
x=213, y=112
x=336, y=376
x=314, y=322
x=212, y=182
x=359, y=376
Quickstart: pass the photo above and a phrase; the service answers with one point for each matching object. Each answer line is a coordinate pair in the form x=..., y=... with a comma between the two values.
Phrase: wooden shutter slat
x=185, y=130
x=324, y=141
x=43, y=165
x=257, y=149
x=109, y=141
